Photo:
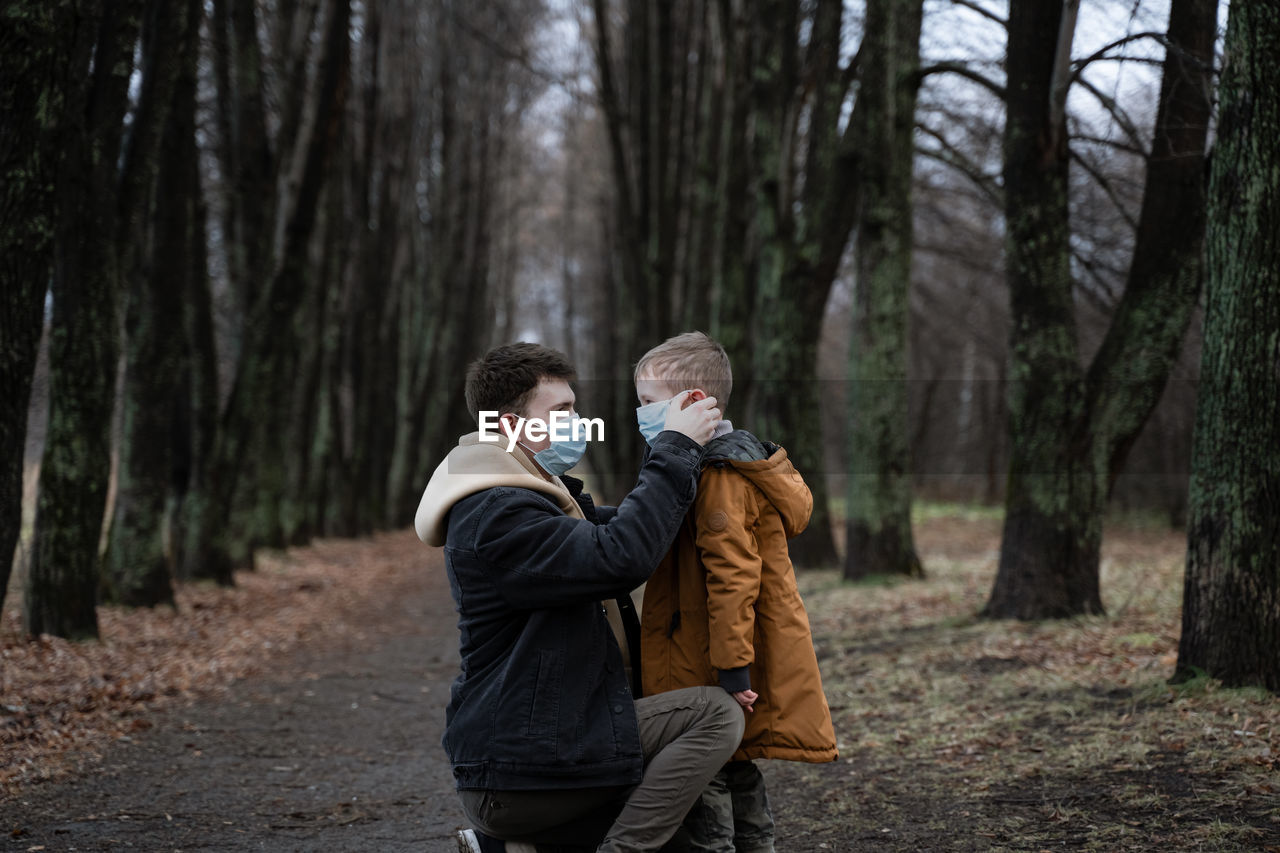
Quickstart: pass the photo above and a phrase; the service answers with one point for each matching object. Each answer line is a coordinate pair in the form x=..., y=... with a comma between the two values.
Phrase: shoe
x=470, y=841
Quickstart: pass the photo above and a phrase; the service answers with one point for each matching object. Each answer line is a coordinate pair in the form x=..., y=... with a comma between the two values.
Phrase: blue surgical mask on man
x=562, y=455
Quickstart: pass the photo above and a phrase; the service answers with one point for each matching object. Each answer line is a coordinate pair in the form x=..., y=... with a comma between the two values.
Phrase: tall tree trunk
x=466, y=282
x=61, y=592
x=435, y=323
x=828, y=200
x=1231, y=604
x=1071, y=432
x=243, y=512
x=248, y=162
x=1128, y=375
x=369, y=369
x=316, y=423
x=790, y=289
x=196, y=425
x=273, y=350
x=418, y=331
x=138, y=557
x=36, y=71
x=734, y=251
x=245, y=153
x=262, y=180
x=636, y=95
x=1043, y=570
x=878, y=525
x=785, y=400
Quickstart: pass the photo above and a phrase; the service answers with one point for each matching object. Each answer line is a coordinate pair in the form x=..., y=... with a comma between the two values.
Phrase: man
x=547, y=742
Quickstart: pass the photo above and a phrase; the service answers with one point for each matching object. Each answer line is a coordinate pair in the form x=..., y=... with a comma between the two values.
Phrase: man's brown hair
x=690, y=360
x=507, y=377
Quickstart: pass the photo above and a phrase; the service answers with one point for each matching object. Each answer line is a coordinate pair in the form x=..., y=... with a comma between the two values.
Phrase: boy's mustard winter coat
x=725, y=597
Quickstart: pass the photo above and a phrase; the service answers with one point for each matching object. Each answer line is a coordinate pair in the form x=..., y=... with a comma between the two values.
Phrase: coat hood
x=767, y=466
x=474, y=466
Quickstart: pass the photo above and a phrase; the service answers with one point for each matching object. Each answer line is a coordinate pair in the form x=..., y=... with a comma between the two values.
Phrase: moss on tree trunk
x=1231, y=607
x=1071, y=430
x=61, y=591
x=878, y=524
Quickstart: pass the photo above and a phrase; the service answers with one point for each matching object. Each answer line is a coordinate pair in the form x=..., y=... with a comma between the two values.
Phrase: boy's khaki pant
x=687, y=736
x=732, y=816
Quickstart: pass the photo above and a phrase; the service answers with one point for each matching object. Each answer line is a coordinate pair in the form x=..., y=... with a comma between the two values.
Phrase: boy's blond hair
x=690, y=360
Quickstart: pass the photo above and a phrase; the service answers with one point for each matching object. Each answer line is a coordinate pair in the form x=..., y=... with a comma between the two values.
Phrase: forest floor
x=301, y=710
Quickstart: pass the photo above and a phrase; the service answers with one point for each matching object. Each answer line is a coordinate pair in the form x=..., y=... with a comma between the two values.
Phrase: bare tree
x=1071, y=429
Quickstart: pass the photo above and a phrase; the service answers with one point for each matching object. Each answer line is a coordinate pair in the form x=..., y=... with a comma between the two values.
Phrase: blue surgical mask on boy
x=563, y=455
x=652, y=419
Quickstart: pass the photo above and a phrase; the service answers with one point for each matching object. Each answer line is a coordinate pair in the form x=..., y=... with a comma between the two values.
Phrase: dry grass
x=960, y=734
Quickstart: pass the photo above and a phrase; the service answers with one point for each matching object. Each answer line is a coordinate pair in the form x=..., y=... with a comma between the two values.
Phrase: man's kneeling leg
x=570, y=817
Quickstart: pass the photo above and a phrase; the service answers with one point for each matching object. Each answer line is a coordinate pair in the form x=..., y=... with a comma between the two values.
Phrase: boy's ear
x=694, y=396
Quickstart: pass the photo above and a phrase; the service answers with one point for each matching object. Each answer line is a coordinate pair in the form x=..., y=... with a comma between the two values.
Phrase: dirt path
x=332, y=751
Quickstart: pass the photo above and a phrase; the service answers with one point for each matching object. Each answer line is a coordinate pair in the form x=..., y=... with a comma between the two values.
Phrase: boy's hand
x=746, y=699
x=696, y=420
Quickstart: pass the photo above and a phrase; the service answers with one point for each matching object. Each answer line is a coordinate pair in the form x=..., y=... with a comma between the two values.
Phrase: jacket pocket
x=544, y=708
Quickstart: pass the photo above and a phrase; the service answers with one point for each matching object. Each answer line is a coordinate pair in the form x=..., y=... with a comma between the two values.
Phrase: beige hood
x=474, y=466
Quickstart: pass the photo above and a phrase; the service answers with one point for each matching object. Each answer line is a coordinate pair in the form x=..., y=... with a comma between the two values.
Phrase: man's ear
x=508, y=420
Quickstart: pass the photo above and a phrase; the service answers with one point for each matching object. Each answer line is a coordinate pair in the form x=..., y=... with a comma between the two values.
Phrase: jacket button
x=617, y=709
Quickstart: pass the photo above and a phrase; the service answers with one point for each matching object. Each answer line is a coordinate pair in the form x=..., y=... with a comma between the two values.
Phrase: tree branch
x=953, y=157
x=964, y=71
x=1121, y=117
x=1106, y=187
x=1109, y=143
x=1104, y=305
x=986, y=13
x=520, y=58
x=1101, y=53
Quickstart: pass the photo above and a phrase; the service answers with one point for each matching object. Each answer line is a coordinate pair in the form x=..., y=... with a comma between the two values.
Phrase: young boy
x=723, y=608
